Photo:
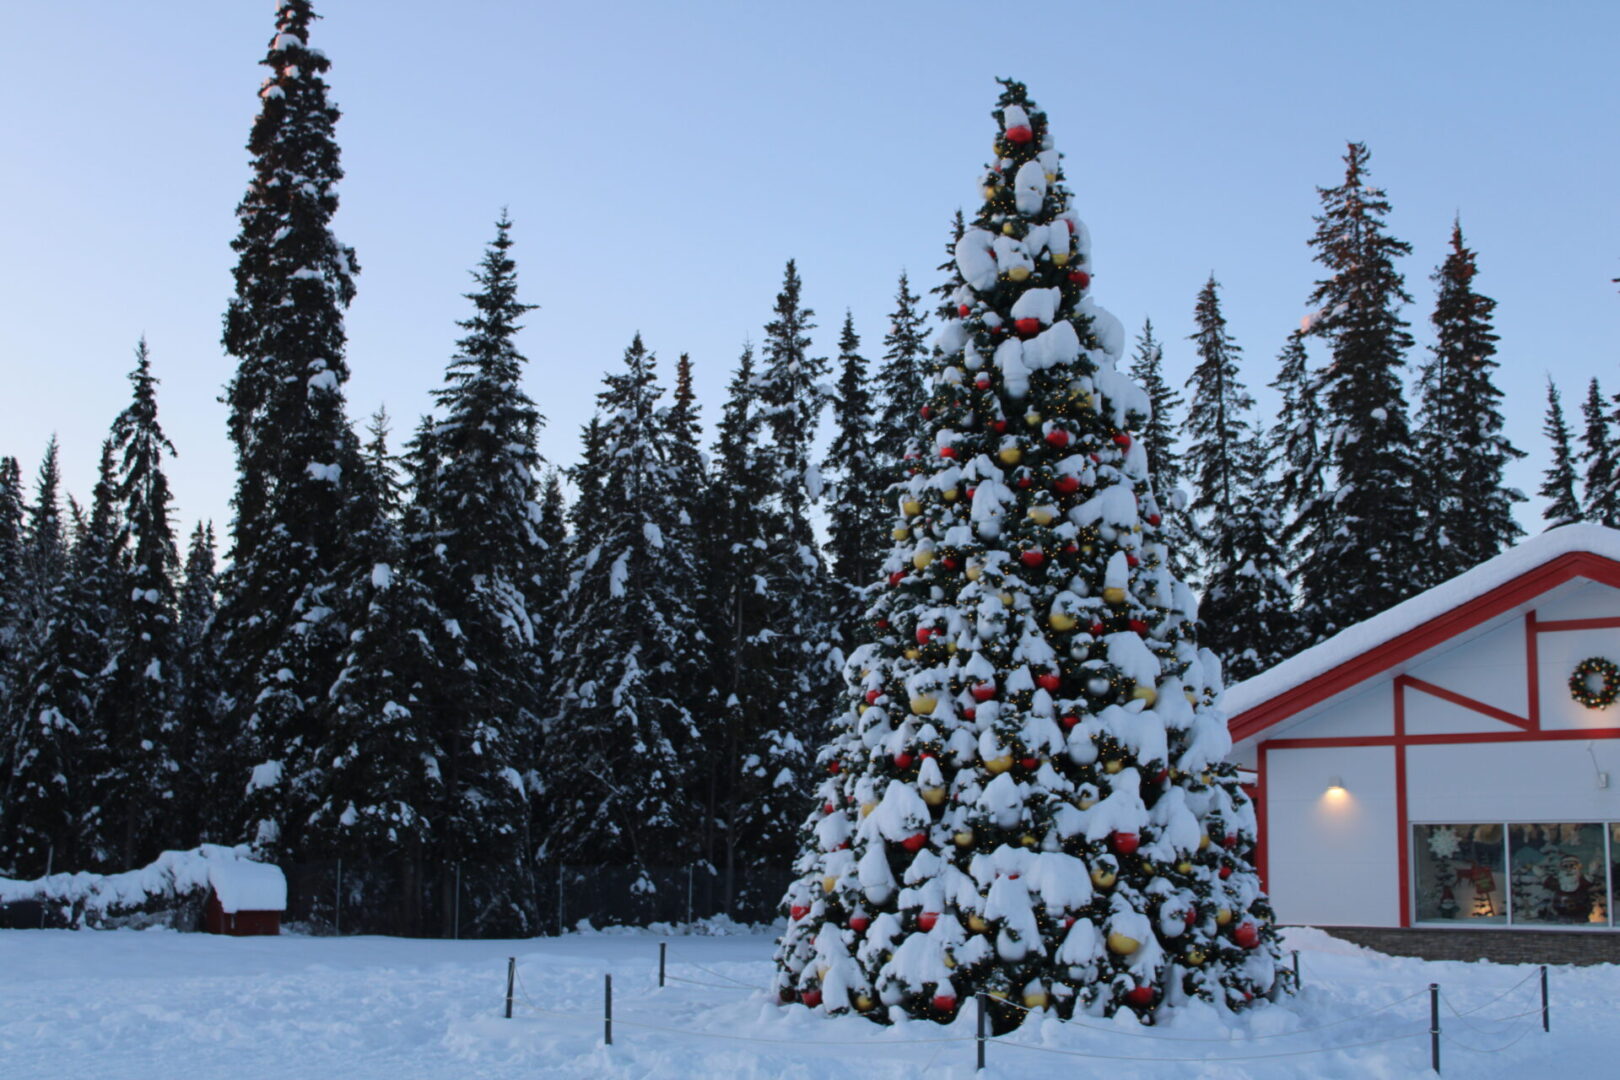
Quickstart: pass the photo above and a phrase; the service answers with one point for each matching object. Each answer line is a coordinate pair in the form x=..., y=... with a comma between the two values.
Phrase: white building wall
x=1554, y=781
x=1490, y=668
x=1558, y=653
x=1331, y=857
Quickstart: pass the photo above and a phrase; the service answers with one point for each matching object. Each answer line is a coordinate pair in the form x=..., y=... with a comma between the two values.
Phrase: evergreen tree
x=1359, y=555
x=1558, y=487
x=1020, y=795
x=1294, y=449
x=799, y=628
x=1598, y=460
x=1468, y=511
x=551, y=576
x=616, y=748
x=139, y=794
x=1164, y=460
x=899, y=385
x=488, y=518
x=382, y=786
x=11, y=570
x=1246, y=612
x=857, y=485
x=280, y=643
x=209, y=792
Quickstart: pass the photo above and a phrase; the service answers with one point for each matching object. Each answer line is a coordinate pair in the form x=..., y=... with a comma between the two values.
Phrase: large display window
x=1522, y=874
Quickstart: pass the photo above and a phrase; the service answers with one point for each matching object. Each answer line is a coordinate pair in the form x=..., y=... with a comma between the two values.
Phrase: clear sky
x=663, y=160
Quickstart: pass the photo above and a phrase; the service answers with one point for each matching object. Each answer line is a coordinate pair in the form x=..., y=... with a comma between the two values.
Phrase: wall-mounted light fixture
x=1335, y=785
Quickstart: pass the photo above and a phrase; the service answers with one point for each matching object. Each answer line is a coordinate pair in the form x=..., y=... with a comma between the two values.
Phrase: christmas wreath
x=1580, y=683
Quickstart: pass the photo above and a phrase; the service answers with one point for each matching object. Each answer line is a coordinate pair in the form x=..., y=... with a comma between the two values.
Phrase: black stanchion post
x=607, y=1009
x=511, y=974
x=1434, y=1027
x=663, y=951
x=1296, y=969
x=983, y=1008
x=1546, y=1024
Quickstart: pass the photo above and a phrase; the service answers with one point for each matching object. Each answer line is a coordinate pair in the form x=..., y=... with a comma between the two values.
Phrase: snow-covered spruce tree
x=1601, y=480
x=1359, y=552
x=279, y=641
x=381, y=785
x=1026, y=795
x=208, y=794
x=1246, y=614
x=11, y=565
x=1158, y=438
x=1467, y=510
x=898, y=386
x=616, y=778
x=1558, y=485
x=487, y=520
x=550, y=579
x=50, y=814
x=856, y=485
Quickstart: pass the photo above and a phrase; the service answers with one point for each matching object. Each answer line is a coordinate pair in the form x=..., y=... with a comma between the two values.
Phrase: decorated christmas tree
x=1027, y=794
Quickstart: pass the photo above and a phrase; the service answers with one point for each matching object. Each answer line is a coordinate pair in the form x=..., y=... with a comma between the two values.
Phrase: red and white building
x=1431, y=766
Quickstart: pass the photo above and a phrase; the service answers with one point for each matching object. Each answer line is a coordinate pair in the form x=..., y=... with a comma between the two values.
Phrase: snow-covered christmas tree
x=1027, y=794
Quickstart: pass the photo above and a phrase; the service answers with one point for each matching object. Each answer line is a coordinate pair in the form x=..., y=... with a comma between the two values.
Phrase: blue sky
x=662, y=161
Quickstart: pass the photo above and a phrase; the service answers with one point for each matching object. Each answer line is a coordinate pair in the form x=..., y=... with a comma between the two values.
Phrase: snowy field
x=126, y=1005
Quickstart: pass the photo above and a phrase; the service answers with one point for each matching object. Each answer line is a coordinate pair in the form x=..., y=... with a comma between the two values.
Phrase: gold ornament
x=1062, y=621
x=1223, y=916
x=1060, y=258
x=900, y=532
x=976, y=923
x=1121, y=944
x=1102, y=877
x=1006, y=599
x=1018, y=273
x=1145, y=693
x=1183, y=867
x=922, y=558
x=1028, y=840
x=863, y=1003
x=1203, y=838
x=911, y=508
x=912, y=652
x=1042, y=515
x=1113, y=765
x=1033, y=418
x=1195, y=957
x=974, y=570
x=933, y=796
x=1007, y=228
x=1010, y=455
x=1114, y=594
x=829, y=883
x=988, y=192
x=1035, y=999
x=949, y=494
x=924, y=704
x=964, y=838
x=867, y=808
x=998, y=765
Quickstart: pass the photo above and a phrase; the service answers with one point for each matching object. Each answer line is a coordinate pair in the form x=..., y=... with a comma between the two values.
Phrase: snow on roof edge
x=1353, y=641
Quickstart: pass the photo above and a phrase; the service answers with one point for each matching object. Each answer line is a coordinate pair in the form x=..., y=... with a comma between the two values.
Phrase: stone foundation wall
x=1499, y=946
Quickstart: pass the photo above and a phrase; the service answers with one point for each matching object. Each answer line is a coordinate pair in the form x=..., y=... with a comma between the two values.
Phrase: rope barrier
x=1487, y=1050
x=715, y=986
x=1502, y=995
x=1000, y=1041
x=717, y=974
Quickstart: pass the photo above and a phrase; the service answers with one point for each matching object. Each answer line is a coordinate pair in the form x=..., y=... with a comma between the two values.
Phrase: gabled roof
x=1430, y=618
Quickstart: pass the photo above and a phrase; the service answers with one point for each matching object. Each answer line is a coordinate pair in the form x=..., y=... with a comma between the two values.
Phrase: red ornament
x=982, y=380
x=947, y=451
x=859, y=923
x=1071, y=548
x=970, y=713
x=1139, y=627
x=1125, y=842
x=1122, y=439
x=1068, y=921
x=1080, y=278
x=902, y=760
x=1067, y=484
x=925, y=412
x=1048, y=681
x=1096, y=629
x=915, y=842
x=1132, y=561
x=1226, y=872
x=944, y=1002
x=963, y=310
x=835, y=767
x=948, y=563
x=1154, y=519
x=925, y=634
x=1033, y=557
x=1019, y=133
x=998, y=426
x=798, y=911
x=1163, y=775
x=1140, y=995
x=926, y=920
x=883, y=624
x=1192, y=914
x=1247, y=935
x=811, y=998
x=1229, y=840
x=1069, y=721
x=1057, y=437
x=827, y=808
x=970, y=492
x=1027, y=327
x=1029, y=764
x=897, y=577
x=872, y=696
x=984, y=691
x=1024, y=482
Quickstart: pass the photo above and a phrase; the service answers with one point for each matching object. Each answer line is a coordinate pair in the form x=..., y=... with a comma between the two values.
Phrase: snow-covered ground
x=160, y=1005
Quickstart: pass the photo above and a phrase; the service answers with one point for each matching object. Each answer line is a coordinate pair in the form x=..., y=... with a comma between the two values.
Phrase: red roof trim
x=1419, y=639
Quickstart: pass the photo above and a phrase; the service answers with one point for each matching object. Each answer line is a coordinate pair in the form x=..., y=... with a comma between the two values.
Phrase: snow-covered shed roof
x=247, y=886
x=1359, y=652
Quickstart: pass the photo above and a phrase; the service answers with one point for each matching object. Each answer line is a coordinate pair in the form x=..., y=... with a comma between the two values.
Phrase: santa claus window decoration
x=1559, y=874
x=1595, y=682
x=1460, y=874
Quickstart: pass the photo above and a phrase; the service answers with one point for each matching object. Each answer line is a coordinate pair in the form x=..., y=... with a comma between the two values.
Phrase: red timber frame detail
x=1404, y=647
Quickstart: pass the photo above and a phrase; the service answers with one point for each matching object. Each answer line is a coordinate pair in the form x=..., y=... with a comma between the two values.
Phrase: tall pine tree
x=1601, y=481
x=899, y=384
x=1359, y=554
x=1164, y=460
x=1467, y=508
x=280, y=642
x=1558, y=485
x=210, y=791
x=856, y=485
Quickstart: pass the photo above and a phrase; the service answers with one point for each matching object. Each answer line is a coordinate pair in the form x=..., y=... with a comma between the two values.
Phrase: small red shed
x=244, y=898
